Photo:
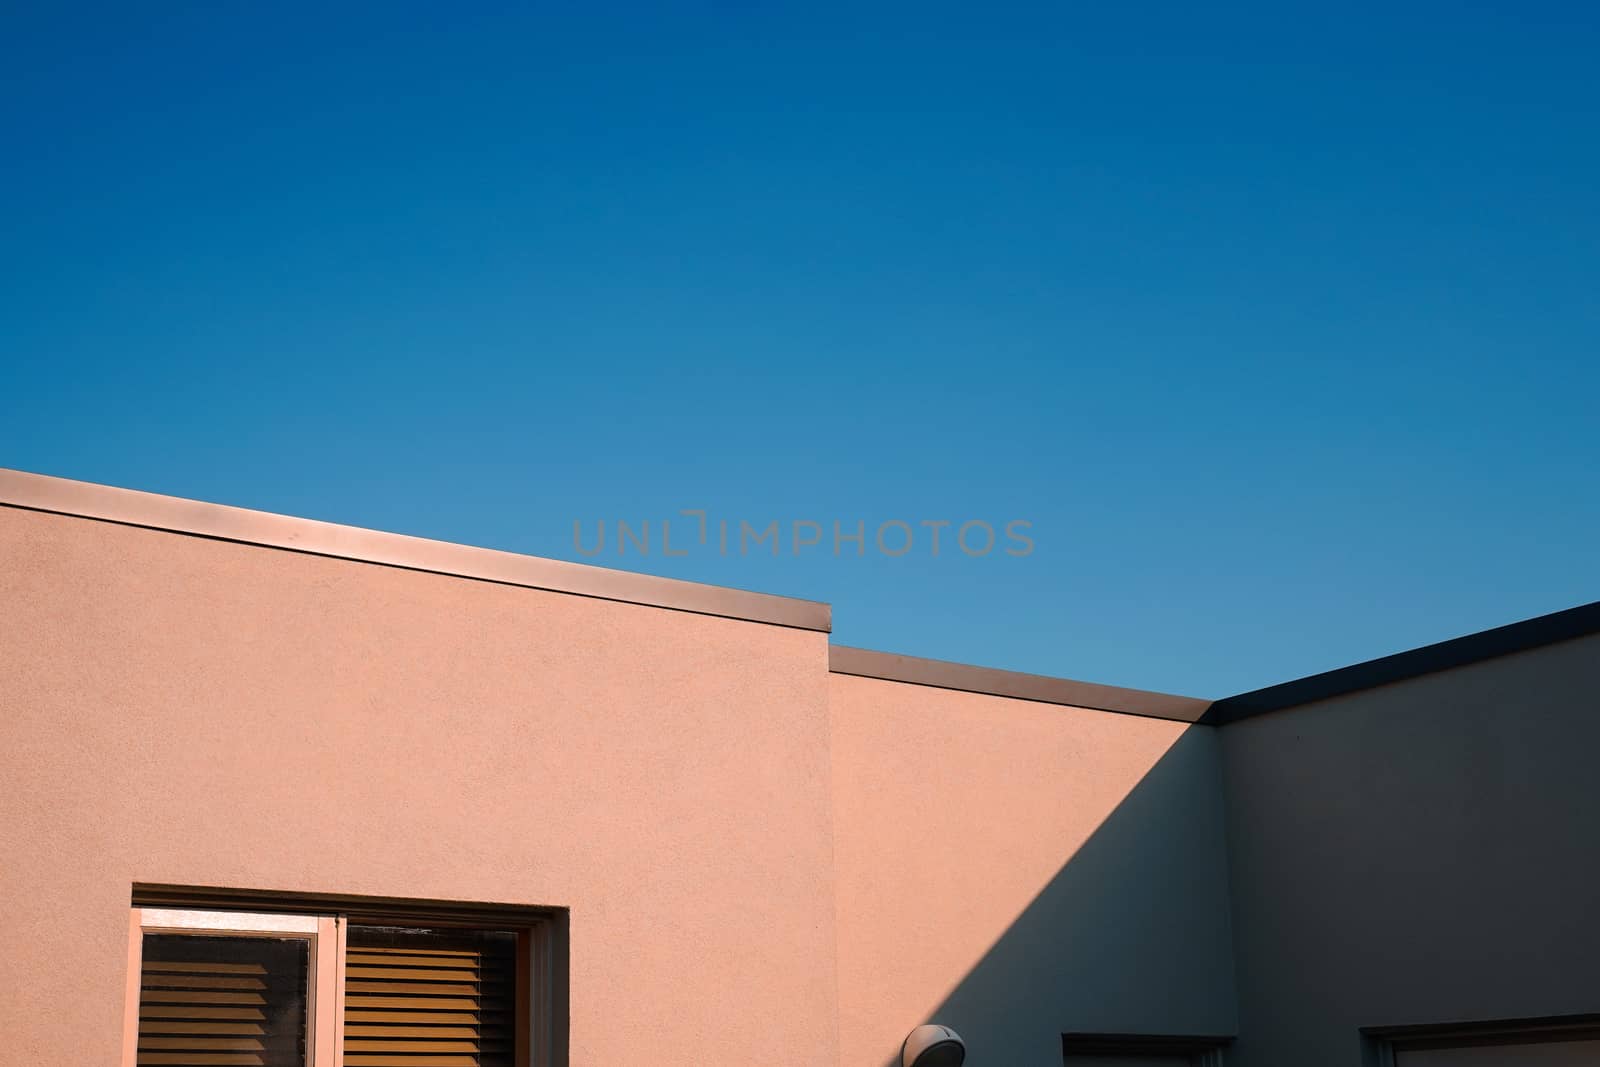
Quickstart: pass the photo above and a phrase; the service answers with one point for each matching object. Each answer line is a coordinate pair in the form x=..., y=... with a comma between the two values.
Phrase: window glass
x=214, y=1001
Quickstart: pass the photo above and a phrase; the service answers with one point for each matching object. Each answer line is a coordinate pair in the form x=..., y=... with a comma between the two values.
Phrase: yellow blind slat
x=222, y=1001
x=424, y=998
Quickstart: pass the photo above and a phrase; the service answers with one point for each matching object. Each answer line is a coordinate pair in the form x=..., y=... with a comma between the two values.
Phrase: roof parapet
x=940, y=674
x=62, y=496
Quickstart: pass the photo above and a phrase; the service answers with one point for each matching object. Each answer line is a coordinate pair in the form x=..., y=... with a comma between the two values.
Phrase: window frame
x=541, y=1033
x=1204, y=1050
x=1380, y=1043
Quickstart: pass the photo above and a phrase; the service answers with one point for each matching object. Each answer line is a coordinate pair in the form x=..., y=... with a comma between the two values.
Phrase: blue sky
x=1278, y=326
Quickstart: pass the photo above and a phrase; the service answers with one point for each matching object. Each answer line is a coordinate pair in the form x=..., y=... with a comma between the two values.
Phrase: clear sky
x=1278, y=323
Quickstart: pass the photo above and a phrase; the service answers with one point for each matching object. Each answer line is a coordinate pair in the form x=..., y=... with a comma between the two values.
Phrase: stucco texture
x=1016, y=870
x=189, y=711
x=1419, y=853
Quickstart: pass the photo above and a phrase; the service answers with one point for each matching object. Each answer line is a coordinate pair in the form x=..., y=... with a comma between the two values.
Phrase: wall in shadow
x=1417, y=854
x=1133, y=934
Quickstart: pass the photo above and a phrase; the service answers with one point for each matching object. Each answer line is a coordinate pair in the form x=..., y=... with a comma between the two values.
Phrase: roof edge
x=1515, y=637
x=942, y=674
x=128, y=507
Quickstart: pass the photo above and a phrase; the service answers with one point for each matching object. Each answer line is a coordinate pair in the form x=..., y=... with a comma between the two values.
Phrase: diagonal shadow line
x=1132, y=936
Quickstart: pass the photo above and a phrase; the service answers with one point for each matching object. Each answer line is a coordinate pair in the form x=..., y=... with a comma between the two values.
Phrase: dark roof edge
x=63, y=496
x=890, y=667
x=1429, y=659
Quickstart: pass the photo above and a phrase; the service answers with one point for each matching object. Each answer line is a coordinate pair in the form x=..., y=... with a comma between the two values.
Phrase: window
x=1142, y=1050
x=446, y=996
x=218, y=988
x=1561, y=1041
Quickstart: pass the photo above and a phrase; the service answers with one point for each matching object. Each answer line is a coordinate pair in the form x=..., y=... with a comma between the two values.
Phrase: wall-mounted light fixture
x=931, y=1045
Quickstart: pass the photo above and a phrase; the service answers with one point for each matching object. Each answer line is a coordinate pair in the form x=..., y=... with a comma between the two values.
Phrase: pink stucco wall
x=765, y=863
x=1017, y=870
x=187, y=711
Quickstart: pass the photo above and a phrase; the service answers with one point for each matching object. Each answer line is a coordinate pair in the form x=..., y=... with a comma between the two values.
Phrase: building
x=275, y=788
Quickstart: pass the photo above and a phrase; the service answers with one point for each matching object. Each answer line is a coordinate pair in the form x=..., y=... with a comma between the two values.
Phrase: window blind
x=222, y=1001
x=429, y=998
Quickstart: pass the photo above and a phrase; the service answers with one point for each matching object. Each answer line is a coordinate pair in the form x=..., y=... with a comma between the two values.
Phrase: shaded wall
x=178, y=710
x=1418, y=853
x=1017, y=869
